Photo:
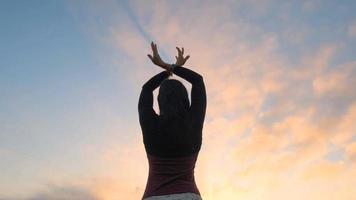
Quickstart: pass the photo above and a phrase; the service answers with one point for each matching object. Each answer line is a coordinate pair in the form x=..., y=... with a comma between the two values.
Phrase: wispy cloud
x=269, y=120
x=351, y=30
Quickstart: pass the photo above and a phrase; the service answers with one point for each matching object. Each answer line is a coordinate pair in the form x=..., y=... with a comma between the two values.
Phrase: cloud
x=310, y=5
x=337, y=82
x=351, y=30
x=351, y=151
x=266, y=123
x=63, y=193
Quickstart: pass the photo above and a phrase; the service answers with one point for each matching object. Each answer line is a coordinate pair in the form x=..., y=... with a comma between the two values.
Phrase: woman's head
x=173, y=99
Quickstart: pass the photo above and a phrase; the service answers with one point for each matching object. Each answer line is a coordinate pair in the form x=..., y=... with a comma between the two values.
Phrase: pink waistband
x=171, y=175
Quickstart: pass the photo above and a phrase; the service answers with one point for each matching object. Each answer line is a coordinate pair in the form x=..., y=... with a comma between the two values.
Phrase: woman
x=173, y=138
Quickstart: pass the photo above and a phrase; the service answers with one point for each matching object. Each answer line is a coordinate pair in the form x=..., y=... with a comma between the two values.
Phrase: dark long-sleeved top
x=171, y=167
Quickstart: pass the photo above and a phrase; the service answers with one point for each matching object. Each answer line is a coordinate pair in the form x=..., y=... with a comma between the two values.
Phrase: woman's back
x=172, y=139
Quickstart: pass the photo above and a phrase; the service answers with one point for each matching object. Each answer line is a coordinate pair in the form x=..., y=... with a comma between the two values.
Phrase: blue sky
x=50, y=85
x=279, y=76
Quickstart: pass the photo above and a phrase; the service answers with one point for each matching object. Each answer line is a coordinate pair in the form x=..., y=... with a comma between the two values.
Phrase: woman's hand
x=180, y=59
x=156, y=59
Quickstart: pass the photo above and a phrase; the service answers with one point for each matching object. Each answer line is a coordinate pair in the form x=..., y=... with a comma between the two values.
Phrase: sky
x=280, y=79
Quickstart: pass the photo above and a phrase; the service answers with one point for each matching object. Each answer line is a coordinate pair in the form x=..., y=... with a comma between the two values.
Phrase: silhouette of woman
x=173, y=138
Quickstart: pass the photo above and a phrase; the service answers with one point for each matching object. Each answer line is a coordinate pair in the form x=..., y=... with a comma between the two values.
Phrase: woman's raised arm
x=147, y=115
x=198, y=93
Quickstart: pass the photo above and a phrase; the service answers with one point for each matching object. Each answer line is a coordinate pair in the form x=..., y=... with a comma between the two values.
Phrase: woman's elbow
x=198, y=79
